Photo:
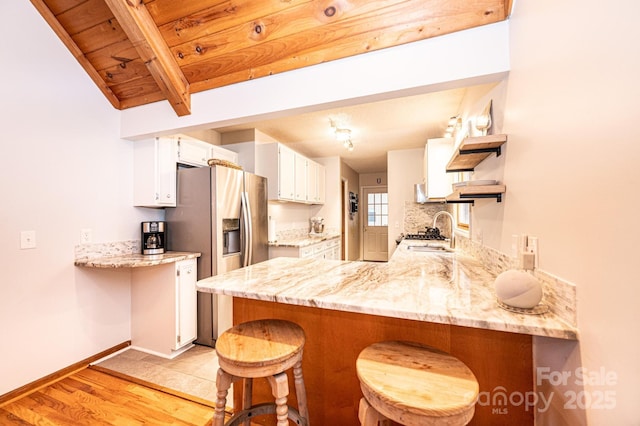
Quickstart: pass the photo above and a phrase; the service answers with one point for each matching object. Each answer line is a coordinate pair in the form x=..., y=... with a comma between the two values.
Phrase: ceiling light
x=483, y=121
x=349, y=146
x=343, y=135
x=454, y=124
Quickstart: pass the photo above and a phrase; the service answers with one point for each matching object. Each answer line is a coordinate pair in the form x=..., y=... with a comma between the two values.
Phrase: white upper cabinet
x=301, y=178
x=436, y=155
x=193, y=152
x=312, y=181
x=155, y=163
x=154, y=172
x=315, y=182
x=322, y=183
x=291, y=176
x=285, y=179
x=197, y=153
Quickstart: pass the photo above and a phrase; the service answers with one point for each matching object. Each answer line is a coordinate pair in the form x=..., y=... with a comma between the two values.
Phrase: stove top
x=428, y=234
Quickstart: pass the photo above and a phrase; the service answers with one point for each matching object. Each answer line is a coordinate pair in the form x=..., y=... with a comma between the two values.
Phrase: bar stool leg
x=301, y=392
x=247, y=397
x=280, y=389
x=223, y=383
x=368, y=415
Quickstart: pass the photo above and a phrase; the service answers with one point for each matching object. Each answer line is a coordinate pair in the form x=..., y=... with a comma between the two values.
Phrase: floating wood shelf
x=467, y=194
x=473, y=150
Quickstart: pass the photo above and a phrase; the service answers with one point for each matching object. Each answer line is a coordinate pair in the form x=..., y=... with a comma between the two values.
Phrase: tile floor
x=193, y=372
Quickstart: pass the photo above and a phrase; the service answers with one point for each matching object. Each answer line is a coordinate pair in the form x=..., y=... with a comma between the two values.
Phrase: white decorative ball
x=518, y=288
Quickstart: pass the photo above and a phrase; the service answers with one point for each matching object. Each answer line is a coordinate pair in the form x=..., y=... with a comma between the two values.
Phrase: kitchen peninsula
x=442, y=299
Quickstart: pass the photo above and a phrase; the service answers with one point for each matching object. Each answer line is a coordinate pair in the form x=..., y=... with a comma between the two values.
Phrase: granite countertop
x=304, y=241
x=135, y=260
x=448, y=288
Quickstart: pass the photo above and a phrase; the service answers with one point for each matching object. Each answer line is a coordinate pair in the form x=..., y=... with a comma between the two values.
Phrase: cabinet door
x=186, y=303
x=166, y=172
x=193, y=152
x=286, y=173
x=322, y=184
x=154, y=173
x=300, y=178
x=437, y=154
x=312, y=181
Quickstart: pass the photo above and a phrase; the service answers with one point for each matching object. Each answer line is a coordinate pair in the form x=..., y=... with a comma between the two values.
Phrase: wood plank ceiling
x=143, y=51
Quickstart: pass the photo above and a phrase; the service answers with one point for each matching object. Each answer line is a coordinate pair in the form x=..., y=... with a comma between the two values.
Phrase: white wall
x=405, y=168
x=571, y=170
x=64, y=168
x=471, y=57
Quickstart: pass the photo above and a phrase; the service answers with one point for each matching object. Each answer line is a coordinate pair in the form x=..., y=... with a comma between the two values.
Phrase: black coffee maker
x=153, y=237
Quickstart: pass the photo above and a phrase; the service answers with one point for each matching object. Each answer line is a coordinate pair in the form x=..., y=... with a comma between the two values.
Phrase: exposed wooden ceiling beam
x=76, y=51
x=136, y=22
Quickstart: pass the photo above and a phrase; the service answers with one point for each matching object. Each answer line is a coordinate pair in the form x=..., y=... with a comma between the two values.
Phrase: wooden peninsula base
x=502, y=362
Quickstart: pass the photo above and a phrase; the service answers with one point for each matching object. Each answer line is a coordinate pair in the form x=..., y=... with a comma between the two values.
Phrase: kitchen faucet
x=452, y=241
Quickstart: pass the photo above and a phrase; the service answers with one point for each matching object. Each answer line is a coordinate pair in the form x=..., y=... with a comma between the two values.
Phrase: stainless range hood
x=420, y=195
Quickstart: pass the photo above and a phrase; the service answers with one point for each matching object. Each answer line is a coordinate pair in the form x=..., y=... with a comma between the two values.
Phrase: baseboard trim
x=44, y=381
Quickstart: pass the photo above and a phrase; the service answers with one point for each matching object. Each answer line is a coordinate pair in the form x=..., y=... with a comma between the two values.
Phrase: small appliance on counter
x=153, y=237
x=316, y=226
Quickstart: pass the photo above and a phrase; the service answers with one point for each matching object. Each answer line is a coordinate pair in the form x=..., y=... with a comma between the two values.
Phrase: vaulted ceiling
x=143, y=51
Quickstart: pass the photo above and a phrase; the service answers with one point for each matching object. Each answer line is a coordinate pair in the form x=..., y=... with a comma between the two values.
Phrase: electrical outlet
x=85, y=236
x=27, y=240
x=532, y=247
x=522, y=244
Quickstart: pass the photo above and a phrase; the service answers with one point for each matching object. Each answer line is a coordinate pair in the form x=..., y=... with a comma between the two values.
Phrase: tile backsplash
x=418, y=216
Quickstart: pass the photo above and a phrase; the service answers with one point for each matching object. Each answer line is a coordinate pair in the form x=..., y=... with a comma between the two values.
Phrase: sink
x=430, y=248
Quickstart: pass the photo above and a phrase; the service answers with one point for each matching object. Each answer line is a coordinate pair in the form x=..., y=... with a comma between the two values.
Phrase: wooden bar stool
x=414, y=384
x=262, y=348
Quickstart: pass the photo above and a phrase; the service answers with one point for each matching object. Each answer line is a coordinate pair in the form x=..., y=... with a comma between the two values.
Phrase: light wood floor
x=92, y=397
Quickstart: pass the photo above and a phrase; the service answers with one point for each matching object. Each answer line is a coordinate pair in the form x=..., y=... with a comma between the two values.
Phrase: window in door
x=376, y=235
x=378, y=209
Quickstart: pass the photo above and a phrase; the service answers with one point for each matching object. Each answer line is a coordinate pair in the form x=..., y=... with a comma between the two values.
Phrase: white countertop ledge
x=441, y=288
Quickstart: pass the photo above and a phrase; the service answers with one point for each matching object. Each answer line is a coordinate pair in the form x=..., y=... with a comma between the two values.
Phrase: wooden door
x=376, y=232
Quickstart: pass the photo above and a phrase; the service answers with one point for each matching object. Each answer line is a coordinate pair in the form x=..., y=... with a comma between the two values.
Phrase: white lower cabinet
x=163, y=308
x=328, y=250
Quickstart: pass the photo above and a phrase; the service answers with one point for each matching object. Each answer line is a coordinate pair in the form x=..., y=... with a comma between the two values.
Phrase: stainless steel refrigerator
x=221, y=212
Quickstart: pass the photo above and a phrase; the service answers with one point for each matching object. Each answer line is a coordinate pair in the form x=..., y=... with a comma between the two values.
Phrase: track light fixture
x=453, y=125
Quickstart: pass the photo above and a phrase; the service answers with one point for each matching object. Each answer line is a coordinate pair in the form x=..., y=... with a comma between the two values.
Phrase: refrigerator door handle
x=247, y=250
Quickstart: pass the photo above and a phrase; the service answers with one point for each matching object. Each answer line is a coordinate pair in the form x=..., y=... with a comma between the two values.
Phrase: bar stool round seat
x=414, y=384
x=262, y=348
